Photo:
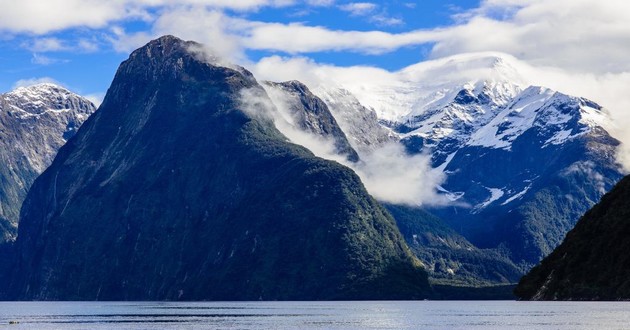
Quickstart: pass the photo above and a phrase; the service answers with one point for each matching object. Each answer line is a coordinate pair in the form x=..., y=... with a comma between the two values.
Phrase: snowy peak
x=40, y=98
x=358, y=122
x=35, y=121
x=556, y=117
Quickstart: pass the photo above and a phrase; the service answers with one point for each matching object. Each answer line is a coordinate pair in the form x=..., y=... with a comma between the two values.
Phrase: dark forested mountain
x=449, y=257
x=592, y=263
x=174, y=190
x=35, y=122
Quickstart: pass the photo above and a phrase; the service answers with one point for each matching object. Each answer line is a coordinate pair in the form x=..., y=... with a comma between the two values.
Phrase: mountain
x=306, y=118
x=525, y=177
x=360, y=124
x=522, y=162
x=181, y=187
x=449, y=257
x=592, y=262
x=35, y=122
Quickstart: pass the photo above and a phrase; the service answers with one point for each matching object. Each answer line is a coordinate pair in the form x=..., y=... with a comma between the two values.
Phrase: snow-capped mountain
x=522, y=162
x=35, y=122
x=361, y=124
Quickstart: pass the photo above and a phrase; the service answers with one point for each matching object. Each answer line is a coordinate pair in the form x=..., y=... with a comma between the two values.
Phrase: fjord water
x=315, y=315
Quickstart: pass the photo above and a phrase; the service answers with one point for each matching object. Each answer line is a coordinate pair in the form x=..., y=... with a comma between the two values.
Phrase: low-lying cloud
x=388, y=172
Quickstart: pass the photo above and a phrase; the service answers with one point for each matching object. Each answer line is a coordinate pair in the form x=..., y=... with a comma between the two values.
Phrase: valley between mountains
x=193, y=180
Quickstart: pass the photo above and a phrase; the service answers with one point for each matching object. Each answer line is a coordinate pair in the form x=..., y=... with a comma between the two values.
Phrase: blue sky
x=80, y=43
x=89, y=69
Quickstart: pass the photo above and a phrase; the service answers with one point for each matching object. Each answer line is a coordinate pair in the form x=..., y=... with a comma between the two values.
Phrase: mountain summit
x=35, y=121
x=174, y=190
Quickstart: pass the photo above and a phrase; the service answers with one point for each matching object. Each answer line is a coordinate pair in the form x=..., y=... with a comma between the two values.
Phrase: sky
x=581, y=47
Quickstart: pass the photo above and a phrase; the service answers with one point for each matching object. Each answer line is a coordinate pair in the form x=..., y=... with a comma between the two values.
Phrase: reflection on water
x=315, y=315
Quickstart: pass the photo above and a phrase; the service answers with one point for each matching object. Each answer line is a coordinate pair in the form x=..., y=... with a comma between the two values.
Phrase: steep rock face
x=360, y=124
x=35, y=122
x=307, y=113
x=172, y=191
x=592, y=263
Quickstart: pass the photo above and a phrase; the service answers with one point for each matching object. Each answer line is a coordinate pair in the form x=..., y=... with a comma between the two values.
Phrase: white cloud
x=383, y=19
x=41, y=17
x=50, y=44
x=54, y=44
x=359, y=8
x=46, y=60
x=34, y=81
x=320, y=3
x=96, y=98
x=391, y=175
x=276, y=36
x=579, y=35
x=368, y=9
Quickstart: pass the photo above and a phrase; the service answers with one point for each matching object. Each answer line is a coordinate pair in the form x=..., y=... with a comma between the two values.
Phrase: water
x=315, y=315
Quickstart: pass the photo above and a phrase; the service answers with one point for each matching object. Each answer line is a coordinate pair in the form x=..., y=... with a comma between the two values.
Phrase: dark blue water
x=315, y=315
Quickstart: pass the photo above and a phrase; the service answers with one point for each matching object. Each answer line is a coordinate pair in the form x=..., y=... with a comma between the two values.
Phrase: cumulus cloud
x=215, y=30
x=50, y=44
x=369, y=10
x=41, y=17
x=579, y=35
x=54, y=44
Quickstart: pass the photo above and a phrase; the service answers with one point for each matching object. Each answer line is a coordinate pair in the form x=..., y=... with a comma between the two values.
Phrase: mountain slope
x=35, y=122
x=173, y=190
x=592, y=262
x=306, y=119
x=449, y=257
x=360, y=124
x=528, y=175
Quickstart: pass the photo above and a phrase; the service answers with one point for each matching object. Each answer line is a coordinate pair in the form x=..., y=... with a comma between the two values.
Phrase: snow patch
x=516, y=196
x=495, y=194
